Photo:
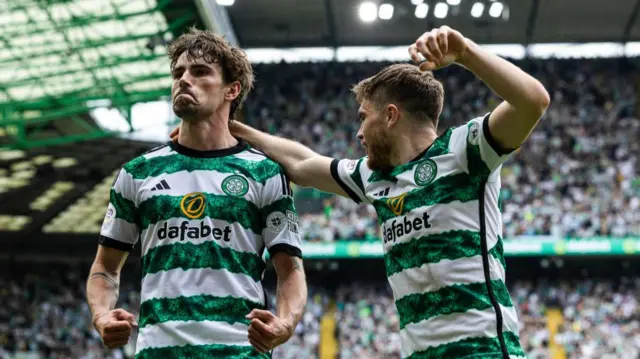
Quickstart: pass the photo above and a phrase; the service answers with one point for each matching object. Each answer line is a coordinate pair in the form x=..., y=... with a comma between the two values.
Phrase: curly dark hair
x=215, y=49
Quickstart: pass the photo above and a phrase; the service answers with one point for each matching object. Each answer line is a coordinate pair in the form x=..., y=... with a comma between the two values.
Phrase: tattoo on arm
x=106, y=277
x=297, y=264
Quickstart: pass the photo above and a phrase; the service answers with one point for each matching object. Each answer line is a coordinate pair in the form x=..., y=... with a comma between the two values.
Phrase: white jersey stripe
x=250, y=155
x=444, y=217
x=454, y=327
x=160, y=152
x=127, y=232
x=435, y=276
x=215, y=282
x=207, y=181
x=244, y=240
x=178, y=333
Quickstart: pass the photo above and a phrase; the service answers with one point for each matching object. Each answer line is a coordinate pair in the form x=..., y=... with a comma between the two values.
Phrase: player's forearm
x=508, y=81
x=292, y=295
x=289, y=154
x=102, y=290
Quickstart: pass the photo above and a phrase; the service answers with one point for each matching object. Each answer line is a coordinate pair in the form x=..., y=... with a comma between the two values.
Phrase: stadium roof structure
x=58, y=56
x=333, y=23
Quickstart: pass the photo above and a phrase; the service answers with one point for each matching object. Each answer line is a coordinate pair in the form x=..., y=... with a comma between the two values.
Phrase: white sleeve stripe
x=335, y=173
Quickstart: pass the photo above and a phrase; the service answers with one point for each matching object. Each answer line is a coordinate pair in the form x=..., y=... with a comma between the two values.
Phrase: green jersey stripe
x=202, y=352
x=197, y=308
x=446, y=189
x=498, y=252
x=283, y=204
x=125, y=208
x=471, y=346
x=453, y=299
x=259, y=171
x=206, y=255
x=441, y=145
x=434, y=248
x=476, y=165
x=222, y=207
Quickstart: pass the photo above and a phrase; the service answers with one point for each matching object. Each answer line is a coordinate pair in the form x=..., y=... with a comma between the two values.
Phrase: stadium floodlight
x=422, y=10
x=225, y=2
x=441, y=10
x=368, y=11
x=477, y=9
x=496, y=9
x=416, y=2
x=453, y=2
x=385, y=11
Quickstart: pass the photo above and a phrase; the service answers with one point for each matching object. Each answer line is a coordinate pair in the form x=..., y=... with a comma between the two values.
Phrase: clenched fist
x=267, y=331
x=440, y=47
x=115, y=327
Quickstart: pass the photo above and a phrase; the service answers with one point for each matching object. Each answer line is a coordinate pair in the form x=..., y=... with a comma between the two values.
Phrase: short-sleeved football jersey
x=441, y=229
x=204, y=219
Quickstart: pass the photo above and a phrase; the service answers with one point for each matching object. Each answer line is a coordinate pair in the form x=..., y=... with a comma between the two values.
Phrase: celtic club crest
x=235, y=185
x=425, y=173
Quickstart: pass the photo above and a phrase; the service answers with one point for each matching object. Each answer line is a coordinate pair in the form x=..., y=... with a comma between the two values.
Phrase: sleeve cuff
x=285, y=248
x=336, y=177
x=112, y=243
x=491, y=140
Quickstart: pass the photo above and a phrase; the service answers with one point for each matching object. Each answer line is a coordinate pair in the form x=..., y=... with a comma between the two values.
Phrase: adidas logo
x=160, y=186
x=384, y=192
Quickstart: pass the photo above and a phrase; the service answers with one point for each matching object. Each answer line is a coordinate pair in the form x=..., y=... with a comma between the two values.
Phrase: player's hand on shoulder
x=440, y=47
x=115, y=327
x=267, y=331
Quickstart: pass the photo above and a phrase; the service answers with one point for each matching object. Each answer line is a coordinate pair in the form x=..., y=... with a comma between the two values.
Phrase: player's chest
x=193, y=191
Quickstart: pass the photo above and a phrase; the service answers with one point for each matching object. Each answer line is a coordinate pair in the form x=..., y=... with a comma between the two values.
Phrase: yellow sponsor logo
x=396, y=204
x=193, y=204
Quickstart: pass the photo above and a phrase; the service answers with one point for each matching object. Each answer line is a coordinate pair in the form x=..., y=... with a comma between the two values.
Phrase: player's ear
x=232, y=91
x=391, y=115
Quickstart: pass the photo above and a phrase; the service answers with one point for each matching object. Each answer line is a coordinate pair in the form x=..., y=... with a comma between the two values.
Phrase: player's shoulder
x=136, y=163
x=259, y=159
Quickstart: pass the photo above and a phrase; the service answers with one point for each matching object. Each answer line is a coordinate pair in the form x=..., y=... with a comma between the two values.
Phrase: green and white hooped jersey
x=204, y=219
x=443, y=251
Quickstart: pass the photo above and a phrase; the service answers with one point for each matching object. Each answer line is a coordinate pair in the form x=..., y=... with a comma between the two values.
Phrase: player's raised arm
x=525, y=98
x=304, y=166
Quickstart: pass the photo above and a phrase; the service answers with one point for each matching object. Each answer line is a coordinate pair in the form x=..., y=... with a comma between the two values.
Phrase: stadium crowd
x=577, y=176
x=44, y=314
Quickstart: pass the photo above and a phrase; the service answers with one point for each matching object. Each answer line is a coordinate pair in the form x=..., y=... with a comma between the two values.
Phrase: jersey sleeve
x=348, y=174
x=280, y=218
x=475, y=148
x=120, y=229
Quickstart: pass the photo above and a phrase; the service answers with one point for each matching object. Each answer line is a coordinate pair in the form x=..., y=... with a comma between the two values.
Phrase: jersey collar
x=189, y=152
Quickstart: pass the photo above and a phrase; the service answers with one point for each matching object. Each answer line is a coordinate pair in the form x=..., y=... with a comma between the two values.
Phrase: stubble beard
x=379, y=152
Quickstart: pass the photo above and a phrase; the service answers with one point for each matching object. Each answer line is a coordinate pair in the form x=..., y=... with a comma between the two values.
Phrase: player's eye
x=200, y=72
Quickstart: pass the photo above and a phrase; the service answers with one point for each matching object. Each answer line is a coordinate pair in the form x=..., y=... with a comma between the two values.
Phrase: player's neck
x=206, y=135
x=409, y=146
